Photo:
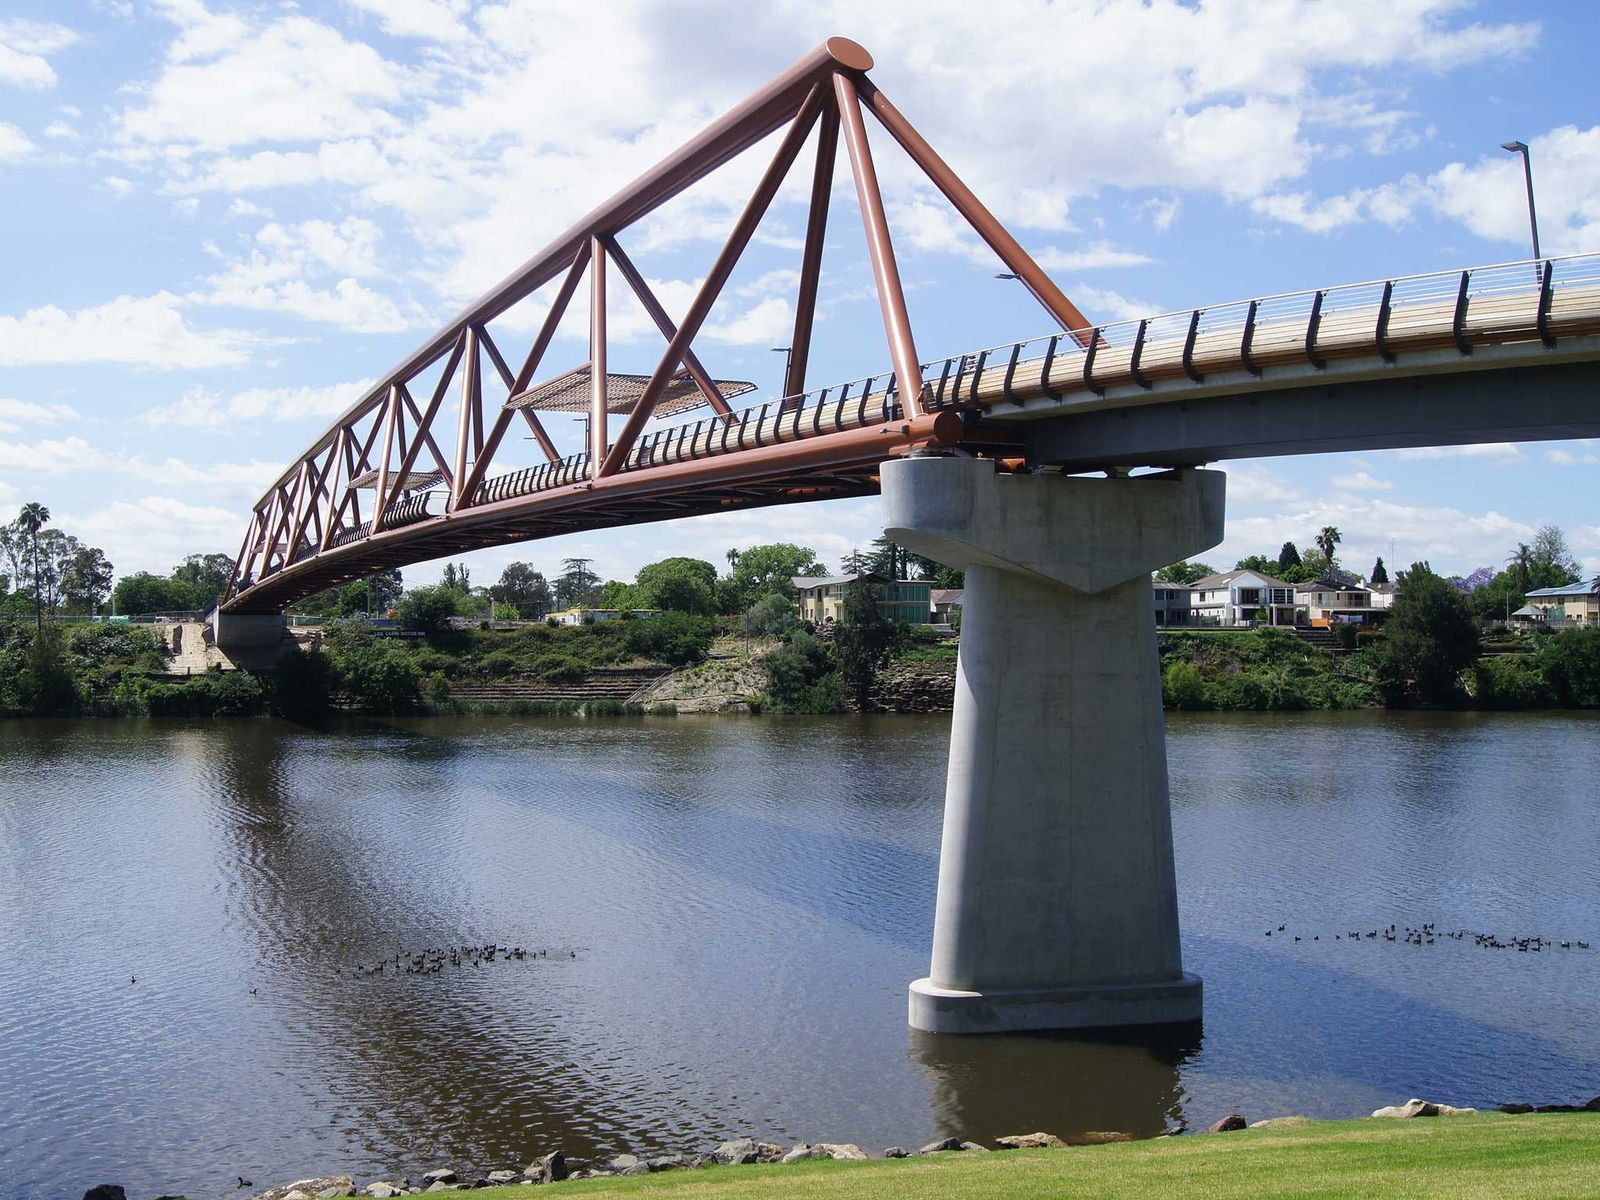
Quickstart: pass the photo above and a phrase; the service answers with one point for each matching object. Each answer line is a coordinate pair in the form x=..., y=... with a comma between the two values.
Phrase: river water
x=720, y=917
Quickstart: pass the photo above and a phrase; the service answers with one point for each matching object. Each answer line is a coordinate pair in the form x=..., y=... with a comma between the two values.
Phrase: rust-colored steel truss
x=312, y=528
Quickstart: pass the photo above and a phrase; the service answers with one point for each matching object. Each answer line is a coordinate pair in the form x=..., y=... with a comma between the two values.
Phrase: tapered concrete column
x=247, y=631
x=1057, y=904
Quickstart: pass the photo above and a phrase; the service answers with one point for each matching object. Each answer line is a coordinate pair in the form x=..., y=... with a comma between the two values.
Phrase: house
x=946, y=604
x=1381, y=595
x=1328, y=602
x=821, y=597
x=1242, y=598
x=1569, y=606
x=1174, y=603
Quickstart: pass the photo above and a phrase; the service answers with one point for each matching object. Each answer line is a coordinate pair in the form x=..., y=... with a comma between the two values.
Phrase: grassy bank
x=1451, y=1158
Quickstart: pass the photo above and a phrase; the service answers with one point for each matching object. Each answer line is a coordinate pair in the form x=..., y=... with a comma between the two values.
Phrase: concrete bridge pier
x=1057, y=904
x=247, y=631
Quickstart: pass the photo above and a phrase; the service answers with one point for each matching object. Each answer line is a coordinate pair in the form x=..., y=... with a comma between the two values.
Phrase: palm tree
x=1327, y=538
x=32, y=518
x=1521, y=564
x=733, y=558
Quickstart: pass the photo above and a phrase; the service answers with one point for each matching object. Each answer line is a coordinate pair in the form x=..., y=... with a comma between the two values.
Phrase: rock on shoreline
x=744, y=1151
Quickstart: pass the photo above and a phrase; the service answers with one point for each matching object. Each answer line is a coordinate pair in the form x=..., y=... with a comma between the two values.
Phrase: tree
x=685, y=585
x=1430, y=638
x=1380, y=573
x=47, y=685
x=890, y=560
x=678, y=638
x=577, y=585
x=770, y=616
x=769, y=569
x=457, y=579
x=429, y=609
x=1328, y=537
x=1288, y=556
x=857, y=562
x=524, y=589
x=862, y=641
x=32, y=519
x=1521, y=566
x=143, y=592
x=1552, y=563
x=1258, y=563
x=1185, y=572
x=206, y=576
x=86, y=580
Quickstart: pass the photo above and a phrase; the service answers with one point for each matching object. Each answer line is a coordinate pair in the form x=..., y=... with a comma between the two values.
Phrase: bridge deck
x=829, y=443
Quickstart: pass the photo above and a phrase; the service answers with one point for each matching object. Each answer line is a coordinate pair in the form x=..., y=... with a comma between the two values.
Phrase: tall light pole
x=1527, y=174
x=788, y=357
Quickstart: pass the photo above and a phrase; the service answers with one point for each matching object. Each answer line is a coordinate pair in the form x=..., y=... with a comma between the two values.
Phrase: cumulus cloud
x=14, y=144
x=61, y=456
x=1362, y=481
x=16, y=413
x=146, y=331
x=24, y=47
x=152, y=533
x=201, y=409
x=1499, y=451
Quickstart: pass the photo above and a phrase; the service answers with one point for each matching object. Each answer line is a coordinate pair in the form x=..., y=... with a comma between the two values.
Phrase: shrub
x=497, y=665
x=672, y=637
x=1511, y=681
x=1184, y=687
x=559, y=668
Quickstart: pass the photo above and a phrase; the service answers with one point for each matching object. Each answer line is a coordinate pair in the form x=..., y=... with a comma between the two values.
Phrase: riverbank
x=1543, y=1155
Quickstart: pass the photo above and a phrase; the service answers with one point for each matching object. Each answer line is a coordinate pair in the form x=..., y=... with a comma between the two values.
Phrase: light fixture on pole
x=1007, y=275
x=1527, y=174
x=788, y=357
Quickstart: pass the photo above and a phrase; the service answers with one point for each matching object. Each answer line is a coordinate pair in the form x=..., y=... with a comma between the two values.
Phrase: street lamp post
x=788, y=357
x=1527, y=174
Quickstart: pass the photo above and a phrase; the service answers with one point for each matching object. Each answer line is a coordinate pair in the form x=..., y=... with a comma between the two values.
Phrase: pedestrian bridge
x=1057, y=901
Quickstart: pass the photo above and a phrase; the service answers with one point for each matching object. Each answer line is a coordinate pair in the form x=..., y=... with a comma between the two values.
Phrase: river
x=719, y=918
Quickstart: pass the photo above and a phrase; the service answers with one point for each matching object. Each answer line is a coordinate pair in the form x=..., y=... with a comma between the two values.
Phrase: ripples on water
x=731, y=910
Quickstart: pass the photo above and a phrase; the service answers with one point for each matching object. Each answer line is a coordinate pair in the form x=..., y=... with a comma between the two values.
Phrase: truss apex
x=848, y=53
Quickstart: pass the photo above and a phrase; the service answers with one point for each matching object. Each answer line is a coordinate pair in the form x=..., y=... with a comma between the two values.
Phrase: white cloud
x=428, y=19
x=146, y=331
x=1362, y=481
x=1500, y=451
x=1571, y=458
x=14, y=144
x=1103, y=306
x=1098, y=255
x=73, y=454
x=200, y=409
x=153, y=533
x=23, y=48
x=227, y=84
x=15, y=413
x=274, y=276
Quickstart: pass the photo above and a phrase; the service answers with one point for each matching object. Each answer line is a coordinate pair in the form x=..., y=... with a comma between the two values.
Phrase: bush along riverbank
x=534, y=670
x=1404, y=1149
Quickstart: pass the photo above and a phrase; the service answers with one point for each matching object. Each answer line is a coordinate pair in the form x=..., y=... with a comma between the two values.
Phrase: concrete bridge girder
x=1057, y=902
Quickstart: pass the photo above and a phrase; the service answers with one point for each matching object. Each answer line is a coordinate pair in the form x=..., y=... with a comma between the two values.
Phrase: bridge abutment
x=1057, y=902
x=247, y=631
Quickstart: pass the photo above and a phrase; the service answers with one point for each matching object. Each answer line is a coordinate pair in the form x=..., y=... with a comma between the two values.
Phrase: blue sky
x=224, y=220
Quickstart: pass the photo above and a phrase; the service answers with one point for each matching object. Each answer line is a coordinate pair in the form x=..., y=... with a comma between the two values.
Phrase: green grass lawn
x=1452, y=1158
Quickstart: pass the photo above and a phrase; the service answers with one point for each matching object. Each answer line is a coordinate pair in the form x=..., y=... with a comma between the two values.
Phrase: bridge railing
x=814, y=414
x=1541, y=299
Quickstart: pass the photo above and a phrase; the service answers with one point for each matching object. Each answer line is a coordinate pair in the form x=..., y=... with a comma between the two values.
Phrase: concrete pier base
x=247, y=631
x=1057, y=903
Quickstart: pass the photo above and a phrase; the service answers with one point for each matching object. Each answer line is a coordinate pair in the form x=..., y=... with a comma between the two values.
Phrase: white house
x=1328, y=603
x=1240, y=597
x=1569, y=605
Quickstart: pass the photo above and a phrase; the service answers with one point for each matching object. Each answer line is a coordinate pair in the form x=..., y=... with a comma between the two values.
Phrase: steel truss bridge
x=1499, y=353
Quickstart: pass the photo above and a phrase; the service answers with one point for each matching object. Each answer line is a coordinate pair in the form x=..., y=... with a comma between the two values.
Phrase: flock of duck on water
x=435, y=959
x=1428, y=935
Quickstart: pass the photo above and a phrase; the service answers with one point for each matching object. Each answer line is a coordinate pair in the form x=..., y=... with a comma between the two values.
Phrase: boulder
x=1229, y=1124
x=106, y=1191
x=1516, y=1109
x=797, y=1153
x=1422, y=1108
x=839, y=1151
x=769, y=1152
x=442, y=1175
x=897, y=1152
x=946, y=1144
x=670, y=1162
x=619, y=1163
x=1029, y=1141
x=735, y=1153
x=974, y=1147
x=550, y=1169
x=310, y=1189
x=501, y=1178
x=1098, y=1137
x=1593, y=1105
x=381, y=1190
x=1281, y=1122
x=637, y=1168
